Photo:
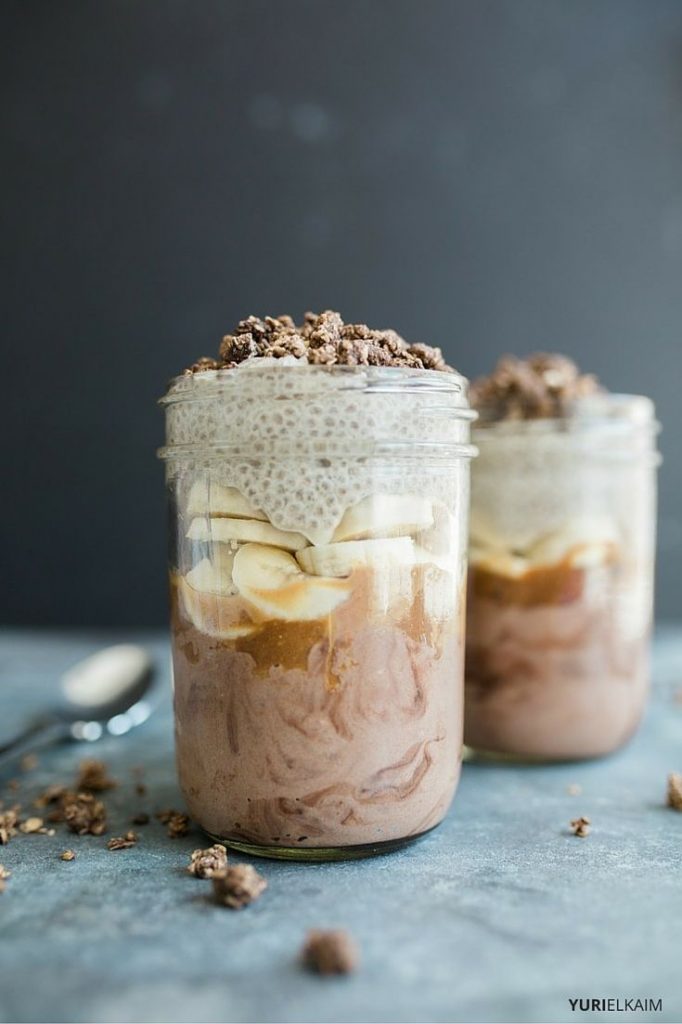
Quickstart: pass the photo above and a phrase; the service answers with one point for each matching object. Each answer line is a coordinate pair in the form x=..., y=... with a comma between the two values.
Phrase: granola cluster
x=209, y=862
x=237, y=886
x=581, y=827
x=93, y=777
x=84, y=814
x=323, y=340
x=541, y=386
x=330, y=952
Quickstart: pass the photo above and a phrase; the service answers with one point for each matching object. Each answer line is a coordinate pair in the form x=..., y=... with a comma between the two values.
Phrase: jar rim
x=607, y=411
x=188, y=387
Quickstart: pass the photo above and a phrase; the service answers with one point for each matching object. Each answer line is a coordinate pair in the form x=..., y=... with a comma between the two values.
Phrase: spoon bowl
x=104, y=693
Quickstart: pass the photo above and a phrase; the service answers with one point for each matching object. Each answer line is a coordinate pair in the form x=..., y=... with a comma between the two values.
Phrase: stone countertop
x=501, y=914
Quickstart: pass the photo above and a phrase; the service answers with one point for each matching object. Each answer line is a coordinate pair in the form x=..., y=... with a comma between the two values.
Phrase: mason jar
x=561, y=578
x=317, y=576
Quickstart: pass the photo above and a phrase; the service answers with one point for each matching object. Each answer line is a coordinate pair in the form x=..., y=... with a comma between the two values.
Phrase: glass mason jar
x=317, y=573
x=560, y=581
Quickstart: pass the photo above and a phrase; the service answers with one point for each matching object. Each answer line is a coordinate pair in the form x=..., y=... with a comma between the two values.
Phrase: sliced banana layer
x=215, y=500
x=502, y=563
x=242, y=531
x=340, y=559
x=218, y=615
x=385, y=515
x=214, y=576
x=272, y=580
x=582, y=543
x=585, y=542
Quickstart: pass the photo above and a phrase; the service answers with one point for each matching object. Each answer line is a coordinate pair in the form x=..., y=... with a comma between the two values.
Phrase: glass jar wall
x=319, y=524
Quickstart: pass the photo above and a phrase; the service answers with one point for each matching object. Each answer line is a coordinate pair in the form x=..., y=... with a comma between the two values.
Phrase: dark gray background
x=485, y=176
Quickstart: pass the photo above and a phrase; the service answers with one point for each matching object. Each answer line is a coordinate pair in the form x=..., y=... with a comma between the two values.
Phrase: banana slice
x=272, y=580
x=501, y=563
x=241, y=531
x=218, y=615
x=340, y=559
x=584, y=541
x=215, y=500
x=385, y=515
x=214, y=576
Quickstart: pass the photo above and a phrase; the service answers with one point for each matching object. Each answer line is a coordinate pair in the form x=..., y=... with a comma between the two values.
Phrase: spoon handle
x=40, y=733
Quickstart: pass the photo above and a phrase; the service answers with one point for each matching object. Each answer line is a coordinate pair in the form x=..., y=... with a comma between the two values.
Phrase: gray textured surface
x=500, y=915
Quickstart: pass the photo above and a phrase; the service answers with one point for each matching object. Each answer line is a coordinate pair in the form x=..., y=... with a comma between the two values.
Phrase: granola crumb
x=84, y=814
x=177, y=824
x=140, y=819
x=29, y=763
x=51, y=795
x=581, y=827
x=206, y=863
x=675, y=791
x=574, y=789
x=31, y=825
x=330, y=952
x=122, y=842
x=5, y=873
x=8, y=825
x=67, y=855
x=138, y=776
x=93, y=777
x=237, y=886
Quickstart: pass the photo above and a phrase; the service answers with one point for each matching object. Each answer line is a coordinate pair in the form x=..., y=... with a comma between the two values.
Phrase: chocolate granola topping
x=675, y=791
x=330, y=952
x=323, y=339
x=67, y=855
x=237, y=886
x=541, y=386
x=207, y=863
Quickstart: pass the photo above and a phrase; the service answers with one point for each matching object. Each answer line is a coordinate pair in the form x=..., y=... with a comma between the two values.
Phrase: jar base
x=482, y=755
x=312, y=854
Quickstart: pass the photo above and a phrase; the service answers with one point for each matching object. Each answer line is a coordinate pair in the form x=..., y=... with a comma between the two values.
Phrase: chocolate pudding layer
x=340, y=732
x=550, y=672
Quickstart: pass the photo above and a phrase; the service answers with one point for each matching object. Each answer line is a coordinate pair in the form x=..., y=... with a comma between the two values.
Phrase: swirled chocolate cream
x=561, y=562
x=317, y=585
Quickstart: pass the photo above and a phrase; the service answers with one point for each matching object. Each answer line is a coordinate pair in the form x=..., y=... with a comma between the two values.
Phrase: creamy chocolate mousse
x=561, y=563
x=317, y=586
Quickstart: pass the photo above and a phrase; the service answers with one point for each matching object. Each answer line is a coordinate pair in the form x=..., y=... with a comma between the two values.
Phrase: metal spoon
x=102, y=694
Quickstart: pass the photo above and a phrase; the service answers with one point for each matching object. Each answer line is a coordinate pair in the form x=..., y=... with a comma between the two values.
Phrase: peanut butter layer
x=423, y=599
x=558, y=584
